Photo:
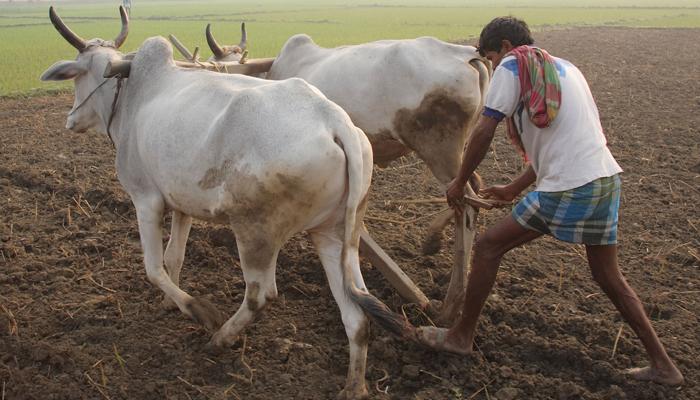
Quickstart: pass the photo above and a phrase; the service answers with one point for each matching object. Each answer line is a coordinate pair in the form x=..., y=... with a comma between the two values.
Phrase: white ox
x=227, y=53
x=268, y=159
x=421, y=95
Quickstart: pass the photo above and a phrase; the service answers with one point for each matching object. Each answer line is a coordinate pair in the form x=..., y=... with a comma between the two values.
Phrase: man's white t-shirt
x=570, y=152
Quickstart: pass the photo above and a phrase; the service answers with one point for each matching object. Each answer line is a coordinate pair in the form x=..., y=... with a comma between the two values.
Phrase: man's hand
x=455, y=195
x=500, y=192
x=478, y=145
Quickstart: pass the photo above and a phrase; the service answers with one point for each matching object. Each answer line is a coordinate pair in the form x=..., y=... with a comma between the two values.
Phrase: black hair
x=504, y=28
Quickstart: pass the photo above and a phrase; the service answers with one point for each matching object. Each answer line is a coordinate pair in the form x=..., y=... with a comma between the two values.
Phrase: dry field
x=79, y=320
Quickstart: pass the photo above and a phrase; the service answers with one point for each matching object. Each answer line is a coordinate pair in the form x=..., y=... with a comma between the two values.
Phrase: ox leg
x=258, y=259
x=149, y=213
x=175, y=252
x=433, y=240
x=329, y=246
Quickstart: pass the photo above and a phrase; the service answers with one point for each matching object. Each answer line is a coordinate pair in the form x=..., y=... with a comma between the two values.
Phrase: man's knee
x=606, y=278
x=487, y=248
x=599, y=277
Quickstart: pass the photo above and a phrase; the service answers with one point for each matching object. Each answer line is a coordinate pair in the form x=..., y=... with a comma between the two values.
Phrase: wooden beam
x=254, y=66
x=391, y=271
x=181, y=48
x=464, y=240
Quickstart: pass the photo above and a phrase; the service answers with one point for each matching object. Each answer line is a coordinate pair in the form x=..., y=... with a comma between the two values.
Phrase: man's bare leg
x=488, y=251
x=603, y=263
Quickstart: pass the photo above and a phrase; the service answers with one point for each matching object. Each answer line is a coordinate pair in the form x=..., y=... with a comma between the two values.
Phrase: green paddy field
x=29, y=43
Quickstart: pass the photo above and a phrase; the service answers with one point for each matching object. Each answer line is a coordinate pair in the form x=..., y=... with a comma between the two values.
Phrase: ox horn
x=119, y=40
x=181, y=48
x=118, y=67
x=244, y=37
x=215, y=48
x=75, y=40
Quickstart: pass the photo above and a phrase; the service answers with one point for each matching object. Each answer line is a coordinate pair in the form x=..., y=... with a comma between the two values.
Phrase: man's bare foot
x=440, y=339
x=671, y=377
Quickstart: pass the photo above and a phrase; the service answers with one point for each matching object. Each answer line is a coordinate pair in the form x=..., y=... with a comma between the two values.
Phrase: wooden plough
x=369, y=249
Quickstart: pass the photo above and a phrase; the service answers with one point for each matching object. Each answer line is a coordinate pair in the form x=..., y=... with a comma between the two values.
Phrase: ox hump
x=154, y=53
x=298, y=40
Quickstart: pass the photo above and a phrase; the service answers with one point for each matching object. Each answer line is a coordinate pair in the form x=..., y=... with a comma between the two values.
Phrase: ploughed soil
x=79, y=319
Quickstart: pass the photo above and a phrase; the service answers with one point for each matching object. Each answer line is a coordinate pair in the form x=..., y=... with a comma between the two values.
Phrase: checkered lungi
x=586, y=214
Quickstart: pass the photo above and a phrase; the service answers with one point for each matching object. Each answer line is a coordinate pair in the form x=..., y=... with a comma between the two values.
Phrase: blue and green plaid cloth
x=587, y=214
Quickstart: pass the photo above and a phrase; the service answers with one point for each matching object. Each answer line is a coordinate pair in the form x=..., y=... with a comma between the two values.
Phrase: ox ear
x=62, y=71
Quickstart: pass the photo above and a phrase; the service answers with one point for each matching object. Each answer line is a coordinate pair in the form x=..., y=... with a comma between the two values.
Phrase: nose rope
x=82, y=103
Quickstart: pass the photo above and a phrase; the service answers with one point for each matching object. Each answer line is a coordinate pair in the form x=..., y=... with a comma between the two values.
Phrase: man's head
x=501, y=35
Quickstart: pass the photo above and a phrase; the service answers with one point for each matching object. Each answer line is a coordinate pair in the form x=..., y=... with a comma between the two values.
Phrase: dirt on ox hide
x=79, y=319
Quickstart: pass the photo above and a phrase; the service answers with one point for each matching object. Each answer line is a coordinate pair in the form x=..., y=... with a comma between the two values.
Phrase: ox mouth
x=76, y=129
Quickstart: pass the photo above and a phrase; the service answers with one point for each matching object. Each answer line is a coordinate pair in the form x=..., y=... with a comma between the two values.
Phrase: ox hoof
x=355, y=392
x=205, y=314
x=432, y=244
x=214, y=349
x=433, y=308
x=219, y=343
x=168, y=304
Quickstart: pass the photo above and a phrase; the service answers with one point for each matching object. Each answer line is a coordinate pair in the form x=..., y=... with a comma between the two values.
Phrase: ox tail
x=359, y=173
x=485, y=73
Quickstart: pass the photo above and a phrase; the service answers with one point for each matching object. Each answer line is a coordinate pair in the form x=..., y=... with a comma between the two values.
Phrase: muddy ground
x=79, y=320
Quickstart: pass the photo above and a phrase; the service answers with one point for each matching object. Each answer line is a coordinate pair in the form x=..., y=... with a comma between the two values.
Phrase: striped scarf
x=540, y=90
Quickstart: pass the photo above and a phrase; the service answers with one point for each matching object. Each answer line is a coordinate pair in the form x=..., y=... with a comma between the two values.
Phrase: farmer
x=553, y=121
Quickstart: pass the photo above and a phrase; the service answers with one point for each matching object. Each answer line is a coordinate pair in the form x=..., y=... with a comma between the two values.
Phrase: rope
x=88, y=97
x=114, y=108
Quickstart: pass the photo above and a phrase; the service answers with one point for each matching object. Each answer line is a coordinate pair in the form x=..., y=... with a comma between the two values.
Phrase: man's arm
x=475, y=152
x=512, y=190
x=524, y=180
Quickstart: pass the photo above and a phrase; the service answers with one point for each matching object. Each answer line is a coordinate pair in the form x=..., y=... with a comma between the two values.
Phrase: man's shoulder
x=509, y=63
